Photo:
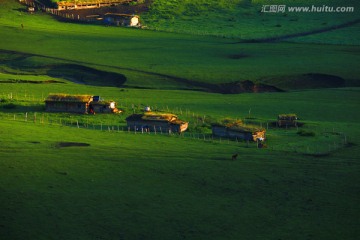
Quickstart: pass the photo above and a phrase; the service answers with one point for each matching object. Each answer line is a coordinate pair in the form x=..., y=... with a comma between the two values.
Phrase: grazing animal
x=233, y=157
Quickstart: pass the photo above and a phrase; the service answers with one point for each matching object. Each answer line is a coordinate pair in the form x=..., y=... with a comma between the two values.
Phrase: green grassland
x=242, y=19
x=151, y=59
x=70, y=176
x=123, y=186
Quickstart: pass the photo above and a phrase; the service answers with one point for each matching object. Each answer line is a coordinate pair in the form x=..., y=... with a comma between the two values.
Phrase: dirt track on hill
x=302, y=34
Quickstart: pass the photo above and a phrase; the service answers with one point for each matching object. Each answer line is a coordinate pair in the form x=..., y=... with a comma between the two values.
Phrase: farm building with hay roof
x=86, y=4
x=68, y=103
x=156, y=122
x=287, y=120
x=238, y=130
x=78, y=104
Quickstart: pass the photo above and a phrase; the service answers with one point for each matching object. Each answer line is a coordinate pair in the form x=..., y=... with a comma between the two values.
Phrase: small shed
x=237, y=130
x=31, y=9
x=287, y=120
x=103, y=107
x=68, y=103
x=118, y=19
x=156, y=122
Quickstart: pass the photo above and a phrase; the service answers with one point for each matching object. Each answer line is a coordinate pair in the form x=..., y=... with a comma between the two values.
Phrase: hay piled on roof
x=68, y=98
x=152, y=116
x=238, y=126
x=287, y=116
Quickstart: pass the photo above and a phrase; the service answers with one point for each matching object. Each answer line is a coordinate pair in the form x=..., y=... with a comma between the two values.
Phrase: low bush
x=305, y=133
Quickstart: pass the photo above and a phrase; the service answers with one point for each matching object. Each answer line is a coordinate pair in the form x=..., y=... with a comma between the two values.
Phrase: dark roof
x=288, y=116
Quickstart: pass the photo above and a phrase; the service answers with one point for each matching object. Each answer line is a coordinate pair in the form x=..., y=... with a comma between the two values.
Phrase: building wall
x=102, y=108
x=66, y=107
x=219, y=131
x=152, y=126
x=289, y=123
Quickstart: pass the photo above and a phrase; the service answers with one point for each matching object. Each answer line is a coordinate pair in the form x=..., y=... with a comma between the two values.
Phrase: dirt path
x=302, y=34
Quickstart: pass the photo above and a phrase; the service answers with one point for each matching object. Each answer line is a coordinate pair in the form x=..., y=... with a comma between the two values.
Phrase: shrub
x=305, y=133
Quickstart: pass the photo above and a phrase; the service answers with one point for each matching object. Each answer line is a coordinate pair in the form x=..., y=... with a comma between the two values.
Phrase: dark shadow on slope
x=305, y=81
x=71, y=144
x=244, y=87
x=86, y=75
x=29, y=81
x=80, y=74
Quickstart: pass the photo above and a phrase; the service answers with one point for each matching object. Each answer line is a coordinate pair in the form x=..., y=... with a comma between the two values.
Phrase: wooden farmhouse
x=87, y=4
x=287, y=120
x=68, y=103
x=153, y=122
x=238, y=131
x=83, y=104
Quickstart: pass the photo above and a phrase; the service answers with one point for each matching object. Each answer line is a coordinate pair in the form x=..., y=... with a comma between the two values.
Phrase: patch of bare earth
x=71, y=144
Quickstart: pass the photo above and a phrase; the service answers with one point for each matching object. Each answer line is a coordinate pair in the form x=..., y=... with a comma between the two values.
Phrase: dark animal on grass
x=233, y=157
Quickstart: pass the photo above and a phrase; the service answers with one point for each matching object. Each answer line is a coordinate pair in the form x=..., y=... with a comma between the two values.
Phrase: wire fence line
x=338, y=141
x=41, y=119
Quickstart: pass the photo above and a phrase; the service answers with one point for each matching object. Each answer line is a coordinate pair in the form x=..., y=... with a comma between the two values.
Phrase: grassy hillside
x=161, y=60
x=244, y=19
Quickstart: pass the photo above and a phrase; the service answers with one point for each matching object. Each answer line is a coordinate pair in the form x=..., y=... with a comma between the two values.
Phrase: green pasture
x=241, y=19
x=328, y=114
x=123, y=186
